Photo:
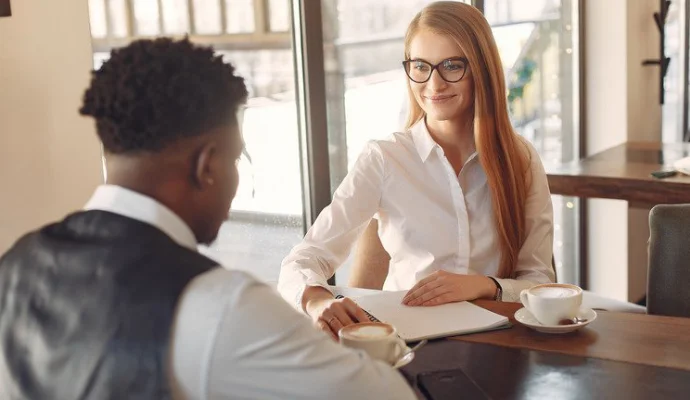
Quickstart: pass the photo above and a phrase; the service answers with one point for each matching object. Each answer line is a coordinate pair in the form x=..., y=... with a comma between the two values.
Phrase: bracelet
x=499, y=289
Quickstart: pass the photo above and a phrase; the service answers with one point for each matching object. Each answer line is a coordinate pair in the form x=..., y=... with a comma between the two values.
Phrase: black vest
x=86, y=308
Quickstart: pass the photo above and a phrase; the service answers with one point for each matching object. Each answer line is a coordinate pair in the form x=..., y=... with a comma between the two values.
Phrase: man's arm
x=262, y=348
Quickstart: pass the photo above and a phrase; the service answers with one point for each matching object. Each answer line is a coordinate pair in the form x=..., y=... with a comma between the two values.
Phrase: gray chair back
x=668, y=284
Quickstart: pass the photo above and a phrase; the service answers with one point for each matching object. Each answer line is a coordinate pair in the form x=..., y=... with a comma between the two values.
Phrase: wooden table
x=623, y=173
x=618, y=355
x=635, y=338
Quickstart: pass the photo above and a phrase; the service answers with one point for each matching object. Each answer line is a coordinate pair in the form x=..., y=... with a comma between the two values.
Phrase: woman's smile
x=438, y=98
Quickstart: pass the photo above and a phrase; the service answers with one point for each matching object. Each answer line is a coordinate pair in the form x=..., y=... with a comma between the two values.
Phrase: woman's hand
x=445, y=287
x=331, y=315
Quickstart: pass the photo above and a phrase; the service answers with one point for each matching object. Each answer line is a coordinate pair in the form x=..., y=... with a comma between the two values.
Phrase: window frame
x=262, y=38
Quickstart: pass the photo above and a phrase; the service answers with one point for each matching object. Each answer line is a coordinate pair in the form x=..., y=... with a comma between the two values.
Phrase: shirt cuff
x=508, y=291
x=300, y=293
x=513, y=287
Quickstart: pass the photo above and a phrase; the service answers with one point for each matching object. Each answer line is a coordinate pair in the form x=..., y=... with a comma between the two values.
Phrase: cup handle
x=523, y=298
x=399, y=349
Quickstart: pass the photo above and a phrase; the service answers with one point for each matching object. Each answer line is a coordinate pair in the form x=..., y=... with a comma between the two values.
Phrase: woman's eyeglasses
x=451, y=69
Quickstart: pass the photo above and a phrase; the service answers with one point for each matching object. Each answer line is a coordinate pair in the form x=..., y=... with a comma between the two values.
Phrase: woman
x=462, y=201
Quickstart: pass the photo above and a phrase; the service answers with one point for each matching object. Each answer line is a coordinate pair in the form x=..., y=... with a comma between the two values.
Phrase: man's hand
x=329, y=314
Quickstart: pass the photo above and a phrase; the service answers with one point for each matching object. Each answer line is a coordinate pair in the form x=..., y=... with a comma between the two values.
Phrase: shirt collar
x=131, y=204
x=422, y=139
x=425, y=143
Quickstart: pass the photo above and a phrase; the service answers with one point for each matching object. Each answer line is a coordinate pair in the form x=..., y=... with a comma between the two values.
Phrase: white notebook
x=417, y=323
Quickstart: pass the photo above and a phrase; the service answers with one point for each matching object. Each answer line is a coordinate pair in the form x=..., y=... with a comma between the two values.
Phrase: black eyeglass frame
x=406, y=63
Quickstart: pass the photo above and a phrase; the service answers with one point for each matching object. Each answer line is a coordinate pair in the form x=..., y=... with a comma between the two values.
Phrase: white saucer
x=406, y=359
x=526, y=318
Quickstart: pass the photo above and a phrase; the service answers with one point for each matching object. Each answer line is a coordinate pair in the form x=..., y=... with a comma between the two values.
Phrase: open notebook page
x=417, y=323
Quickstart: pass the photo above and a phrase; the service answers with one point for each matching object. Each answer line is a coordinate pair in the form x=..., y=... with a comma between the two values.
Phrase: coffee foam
x=554, y=292
x=369, y=332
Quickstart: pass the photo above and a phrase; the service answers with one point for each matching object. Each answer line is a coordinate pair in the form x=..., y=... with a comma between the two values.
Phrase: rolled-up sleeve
x=329, y=241
x=534, y=260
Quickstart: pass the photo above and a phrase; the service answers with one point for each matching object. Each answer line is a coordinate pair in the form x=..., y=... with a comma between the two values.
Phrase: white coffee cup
x=378, y=339
x=552, y=303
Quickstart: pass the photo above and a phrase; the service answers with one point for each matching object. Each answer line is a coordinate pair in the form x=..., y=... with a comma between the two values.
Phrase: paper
x=417, y=323
x=682, y=165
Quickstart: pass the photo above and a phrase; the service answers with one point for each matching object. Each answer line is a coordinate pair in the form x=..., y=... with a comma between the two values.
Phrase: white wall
x=622, y=105
x=605, y=74
x=644, y=110
x=49, y=155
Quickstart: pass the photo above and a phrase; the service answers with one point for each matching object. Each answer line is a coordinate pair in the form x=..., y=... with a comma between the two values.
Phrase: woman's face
x=441, y=100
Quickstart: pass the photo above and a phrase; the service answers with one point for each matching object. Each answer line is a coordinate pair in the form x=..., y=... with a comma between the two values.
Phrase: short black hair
x=152, y=93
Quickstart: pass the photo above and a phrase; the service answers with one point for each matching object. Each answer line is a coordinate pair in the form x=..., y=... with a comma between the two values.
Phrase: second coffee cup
x=552, y=303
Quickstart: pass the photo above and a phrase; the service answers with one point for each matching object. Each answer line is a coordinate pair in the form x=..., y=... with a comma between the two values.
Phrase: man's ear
x=202, y=168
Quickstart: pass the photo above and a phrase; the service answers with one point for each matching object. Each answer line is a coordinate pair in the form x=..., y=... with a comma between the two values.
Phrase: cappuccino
x=554, y=291
x=367, y=331
x=551, y=303
x=378, y=339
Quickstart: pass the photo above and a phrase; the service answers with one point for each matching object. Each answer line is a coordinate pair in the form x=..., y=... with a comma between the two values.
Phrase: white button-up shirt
x=429, y=219
x=234, y=338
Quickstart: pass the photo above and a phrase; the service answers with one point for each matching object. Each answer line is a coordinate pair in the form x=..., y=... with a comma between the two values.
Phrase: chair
x=369, y=252
x=669, y=260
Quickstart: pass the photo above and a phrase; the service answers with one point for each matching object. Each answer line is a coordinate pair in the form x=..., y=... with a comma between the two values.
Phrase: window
x=254, y=35
x=538, y=42
x=674, y=117
x=365, y=97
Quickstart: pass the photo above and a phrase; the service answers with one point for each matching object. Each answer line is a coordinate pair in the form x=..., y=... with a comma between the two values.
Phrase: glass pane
x=207, y=17
x=366, y=96
x=175, y=16
x=99, y=59
x=146, y=17
x=499, y=12
x=672, y=129
x=266, y=219
x=118, y=18
x=538, y=43
x=239, y=15
x=97, y=18
x=279, y=12
x=566, y=238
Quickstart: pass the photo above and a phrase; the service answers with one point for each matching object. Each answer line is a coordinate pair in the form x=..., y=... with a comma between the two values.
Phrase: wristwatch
x=499, y=289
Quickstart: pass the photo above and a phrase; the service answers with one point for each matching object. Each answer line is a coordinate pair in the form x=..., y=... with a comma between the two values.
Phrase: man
x=115, y=302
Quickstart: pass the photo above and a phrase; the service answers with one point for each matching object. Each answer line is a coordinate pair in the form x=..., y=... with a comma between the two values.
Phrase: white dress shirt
x=234, y=338
x=430, y=219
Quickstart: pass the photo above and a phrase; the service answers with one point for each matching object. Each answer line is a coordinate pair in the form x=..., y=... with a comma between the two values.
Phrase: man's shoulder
x=222, y=282
x=223, y=291
x=208, y=299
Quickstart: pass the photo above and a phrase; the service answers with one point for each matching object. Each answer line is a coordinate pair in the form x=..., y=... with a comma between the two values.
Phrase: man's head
x=166, y=112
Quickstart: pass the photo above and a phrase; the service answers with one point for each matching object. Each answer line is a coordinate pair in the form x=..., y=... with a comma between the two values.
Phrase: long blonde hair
x=502, y=153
